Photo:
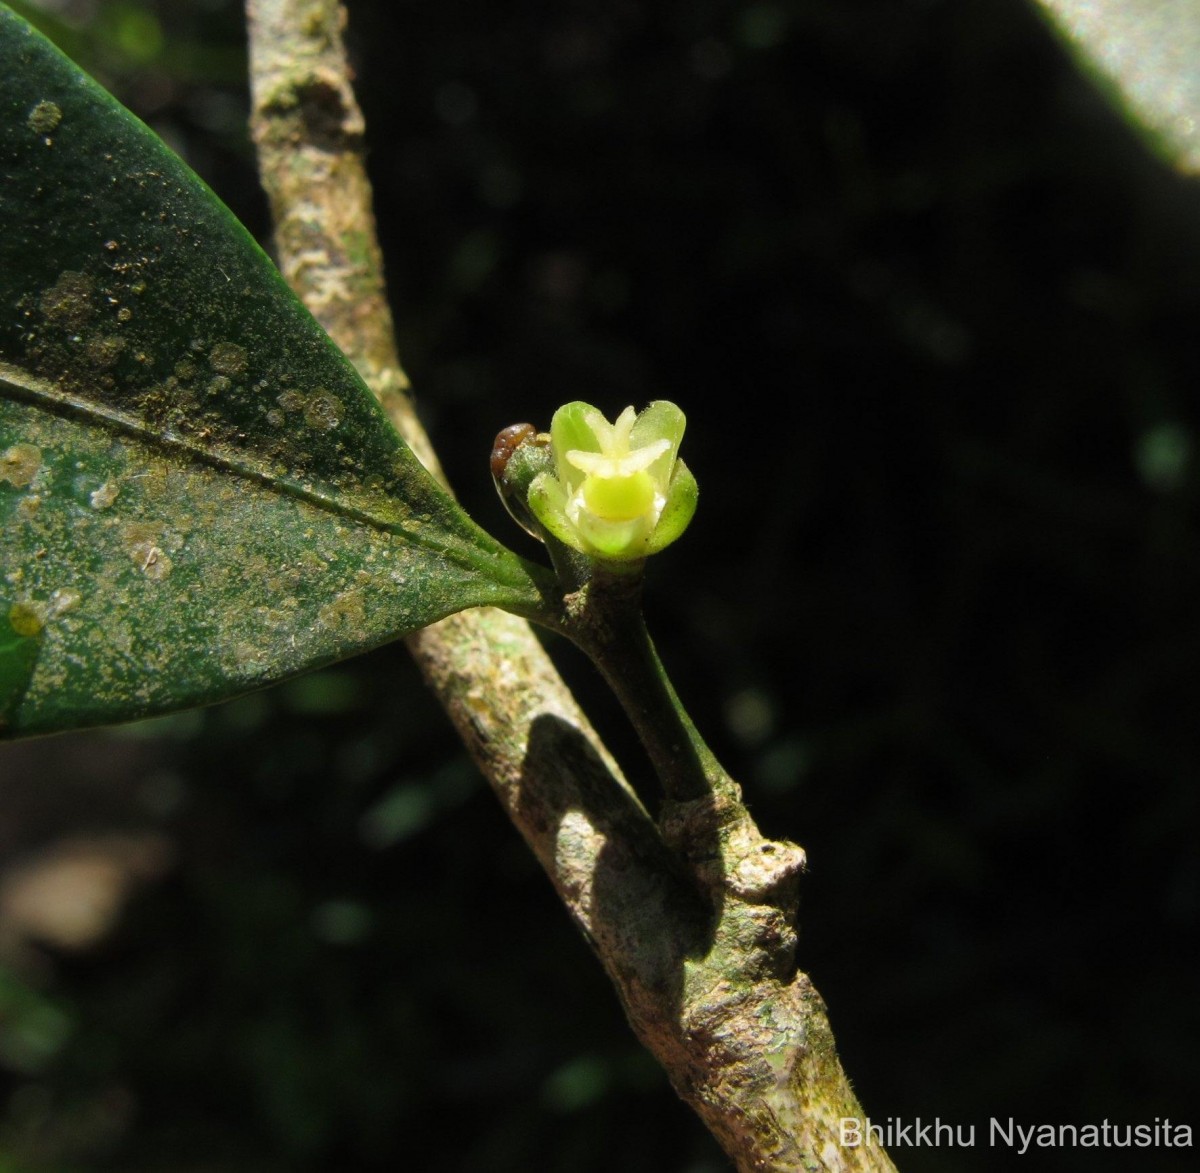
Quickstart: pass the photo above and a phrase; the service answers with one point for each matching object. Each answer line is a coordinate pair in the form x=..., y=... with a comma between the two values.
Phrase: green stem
x=605, y=620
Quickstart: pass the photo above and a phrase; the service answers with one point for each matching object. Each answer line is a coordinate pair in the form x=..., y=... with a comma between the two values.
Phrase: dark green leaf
x=198, y=494
x=1147, y=52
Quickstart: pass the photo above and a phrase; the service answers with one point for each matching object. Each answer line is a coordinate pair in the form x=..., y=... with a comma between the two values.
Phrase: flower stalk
x=605, y=620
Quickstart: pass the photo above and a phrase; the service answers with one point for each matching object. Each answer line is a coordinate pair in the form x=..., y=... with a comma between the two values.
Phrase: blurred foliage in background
x=931, y=311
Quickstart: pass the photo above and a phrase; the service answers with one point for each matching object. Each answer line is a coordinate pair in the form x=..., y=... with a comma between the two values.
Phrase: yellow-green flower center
x=619, y=498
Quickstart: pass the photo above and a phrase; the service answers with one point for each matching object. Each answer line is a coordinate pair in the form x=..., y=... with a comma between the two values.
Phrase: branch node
x=728, y=854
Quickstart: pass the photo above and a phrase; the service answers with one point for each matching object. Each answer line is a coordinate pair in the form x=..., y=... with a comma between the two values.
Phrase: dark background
x=931, y=310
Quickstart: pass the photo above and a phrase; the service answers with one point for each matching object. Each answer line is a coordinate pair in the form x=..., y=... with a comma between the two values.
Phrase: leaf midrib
x=19, y=385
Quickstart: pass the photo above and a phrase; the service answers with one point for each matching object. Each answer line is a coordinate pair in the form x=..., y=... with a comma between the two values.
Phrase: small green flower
x=618, y=492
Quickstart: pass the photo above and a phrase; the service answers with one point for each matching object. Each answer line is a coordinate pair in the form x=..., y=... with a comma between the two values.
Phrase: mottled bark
x=693, y=920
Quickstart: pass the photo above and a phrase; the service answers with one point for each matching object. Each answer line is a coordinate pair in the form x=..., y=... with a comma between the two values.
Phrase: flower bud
x=519, y=454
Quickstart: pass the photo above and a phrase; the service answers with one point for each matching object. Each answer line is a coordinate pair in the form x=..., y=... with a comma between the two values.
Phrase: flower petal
x=605, y=464
x=661, y=420
x=573, y=429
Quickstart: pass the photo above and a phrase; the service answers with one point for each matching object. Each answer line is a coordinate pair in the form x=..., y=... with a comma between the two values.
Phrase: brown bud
x=507, y=441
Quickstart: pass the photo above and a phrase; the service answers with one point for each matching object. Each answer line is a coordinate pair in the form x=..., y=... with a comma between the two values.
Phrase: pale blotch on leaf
x=290, y=400
x=103, y=497
x=19, y=464
x=228, y=358
x=142, y=543
x=153, y=562
x=63, y=600
x=105, y=349
x=68, y=302
x=322, y=412
x=26, y=618
x=44, y=118
x=346, y=612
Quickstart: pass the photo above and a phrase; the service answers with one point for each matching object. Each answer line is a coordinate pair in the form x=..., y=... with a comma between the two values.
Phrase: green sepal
x=548, y=503
x=677, y=513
